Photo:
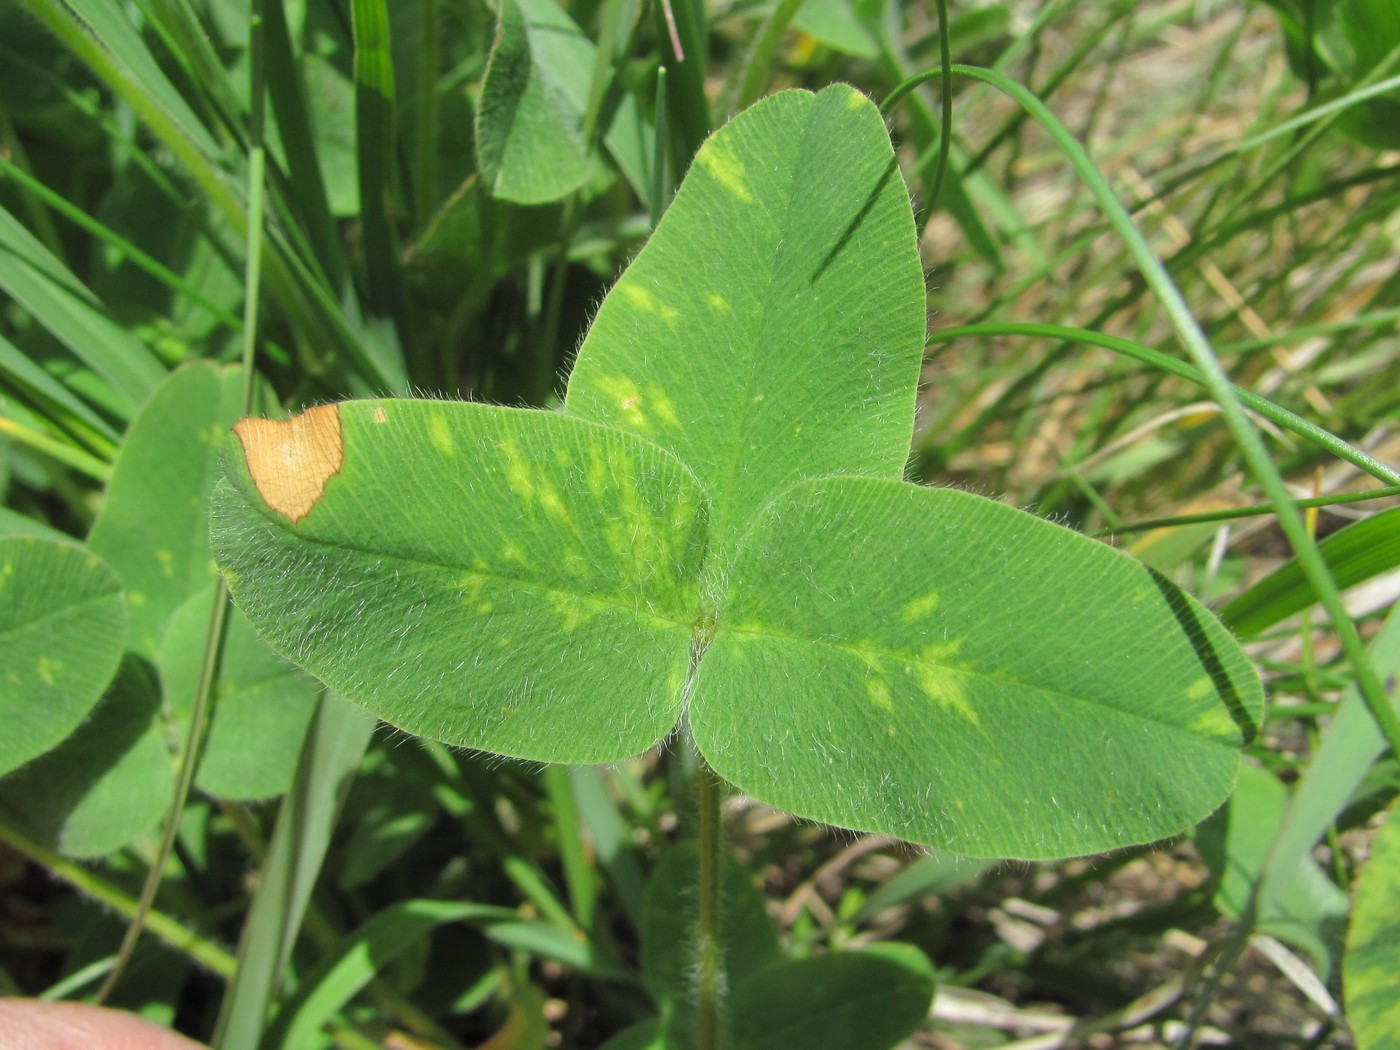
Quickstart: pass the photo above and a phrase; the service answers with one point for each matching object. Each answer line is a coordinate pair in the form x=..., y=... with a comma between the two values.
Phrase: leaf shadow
x=890, y=170
x=1192, y=619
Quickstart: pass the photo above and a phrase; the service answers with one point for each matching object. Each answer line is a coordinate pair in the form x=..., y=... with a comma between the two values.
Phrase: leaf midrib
x=862, y=651
x=534, y=585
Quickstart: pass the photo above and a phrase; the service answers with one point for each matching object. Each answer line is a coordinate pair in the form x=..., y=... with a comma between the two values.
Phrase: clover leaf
x=715, y=531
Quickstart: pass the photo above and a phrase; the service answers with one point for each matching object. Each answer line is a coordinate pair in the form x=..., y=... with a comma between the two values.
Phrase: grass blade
x=334, y=746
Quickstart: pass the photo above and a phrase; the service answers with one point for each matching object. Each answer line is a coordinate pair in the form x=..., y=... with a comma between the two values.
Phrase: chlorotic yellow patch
x=628, y=399
x=1214, y=724
x=519, y=476
x=441, y=436
x=878, y=690
x=726, y=169
x=921, y=608
x=291, y=462
x=661, y=405
x=644, y=299
x=49, y=670
x=947, y=691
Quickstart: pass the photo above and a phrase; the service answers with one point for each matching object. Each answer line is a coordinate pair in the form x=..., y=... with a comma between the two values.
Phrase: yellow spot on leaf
x=879, y=692
x=947, y=691
x=1200, y=689
x=727, y=170
x=921, y=608
x=553, y=505
x=380, y=415
x=637, y=296
x=644, y=299
x=49, y=669
x=1214, y=724
x=441, y=436
x=718, y=301
x=167, y=563
x=518, y=474
x=662, y=406
x=625, y=395
x=290, y=463
x=471, y=585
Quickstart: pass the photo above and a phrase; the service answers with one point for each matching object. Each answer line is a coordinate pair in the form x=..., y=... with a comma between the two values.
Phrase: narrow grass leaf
x=62, y=632
x=685, y=57
x=45, y=394
x=611, y=836
x=306, y=183
x=1359, y=552
x=1310, y=911
x=1304, y=428
x=110, y=25
x=548, y=941
x=1348, y=749
x=936, y=873
x=376, y=152
x=362, y=955
x=332, y=752
x=56, y=299
x=648, y=1035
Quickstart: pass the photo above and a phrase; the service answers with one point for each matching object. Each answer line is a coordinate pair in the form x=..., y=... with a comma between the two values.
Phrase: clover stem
x=710, y=969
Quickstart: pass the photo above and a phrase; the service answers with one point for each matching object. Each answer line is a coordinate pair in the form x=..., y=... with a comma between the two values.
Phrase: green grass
x=1170, y=340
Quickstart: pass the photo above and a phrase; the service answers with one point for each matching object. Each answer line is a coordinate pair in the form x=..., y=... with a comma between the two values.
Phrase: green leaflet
x=773, y=326
x=62, y=627
x=726, y=528
x=863, y=999
x=953, y=637
x=106, y=784
x=530, y=129
x=529, y=133
x=262, y=704
x=151, y=528
x=489, y=577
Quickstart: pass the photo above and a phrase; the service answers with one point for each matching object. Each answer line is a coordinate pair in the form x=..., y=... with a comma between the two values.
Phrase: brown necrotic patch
x=291, y=462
